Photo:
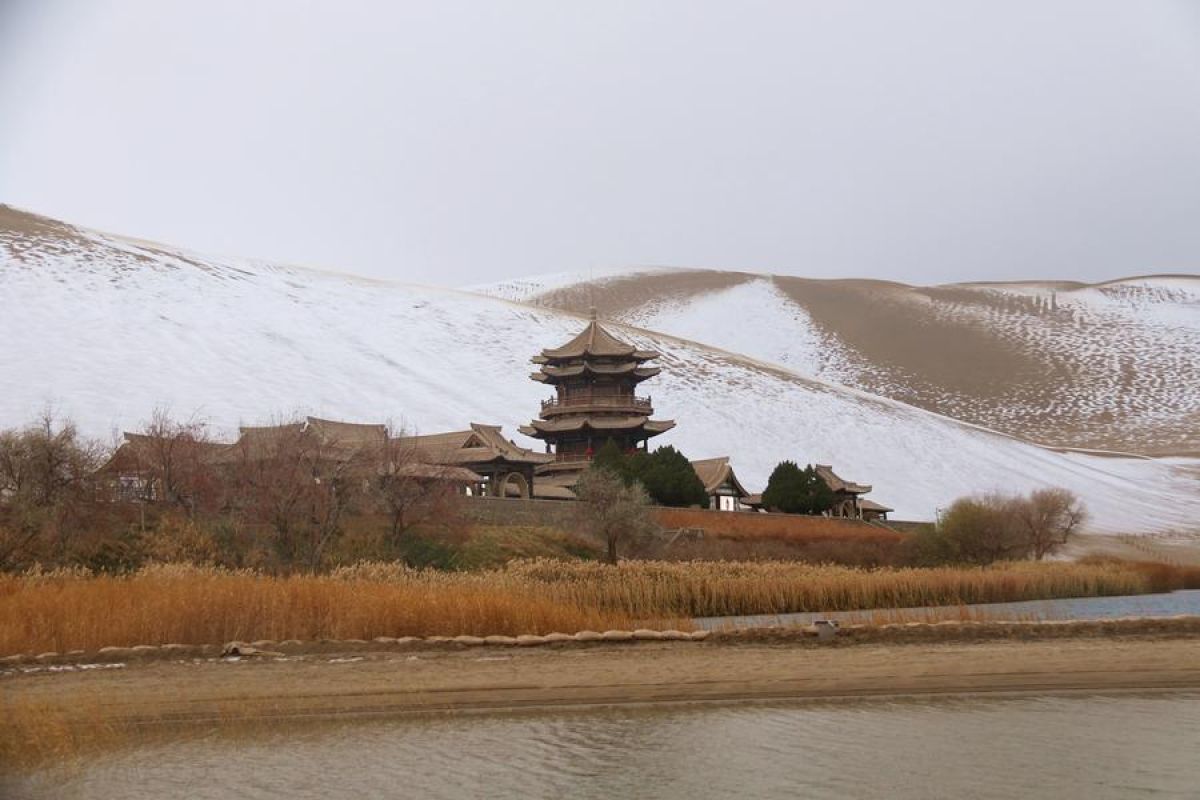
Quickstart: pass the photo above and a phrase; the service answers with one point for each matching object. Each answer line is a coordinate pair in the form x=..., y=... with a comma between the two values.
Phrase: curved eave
x=651, y=427
x=549, y=374
x=595, y=340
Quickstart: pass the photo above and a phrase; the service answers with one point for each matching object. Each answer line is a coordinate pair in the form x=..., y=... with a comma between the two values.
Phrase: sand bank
x=438, y=679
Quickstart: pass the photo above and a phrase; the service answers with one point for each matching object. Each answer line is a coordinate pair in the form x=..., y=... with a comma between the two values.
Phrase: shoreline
x=55, y=715
x=757, y=666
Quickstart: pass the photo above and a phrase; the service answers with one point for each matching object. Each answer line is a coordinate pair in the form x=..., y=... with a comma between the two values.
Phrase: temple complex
x=595, y=377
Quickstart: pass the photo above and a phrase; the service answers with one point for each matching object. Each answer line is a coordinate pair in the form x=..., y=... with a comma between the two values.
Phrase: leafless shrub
x=998, y=527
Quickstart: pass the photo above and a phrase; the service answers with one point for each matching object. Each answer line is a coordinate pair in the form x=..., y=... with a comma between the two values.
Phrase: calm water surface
x=1167, y=604
x=1034, y=747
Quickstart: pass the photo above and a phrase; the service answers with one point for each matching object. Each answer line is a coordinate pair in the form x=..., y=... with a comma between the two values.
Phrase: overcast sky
x=451, y=143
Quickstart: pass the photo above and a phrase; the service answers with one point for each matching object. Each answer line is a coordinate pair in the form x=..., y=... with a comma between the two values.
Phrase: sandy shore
x=482, y=679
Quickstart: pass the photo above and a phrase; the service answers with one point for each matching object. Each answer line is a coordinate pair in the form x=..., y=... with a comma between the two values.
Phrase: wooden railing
x=582, y=458
x=603, y=401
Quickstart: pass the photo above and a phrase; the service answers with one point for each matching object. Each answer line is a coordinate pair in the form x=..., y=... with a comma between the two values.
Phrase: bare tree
x=410, y=492
x=610, y=510
x=175, y=459
x=1048, y=517
x=299, y=484
x=46, y=473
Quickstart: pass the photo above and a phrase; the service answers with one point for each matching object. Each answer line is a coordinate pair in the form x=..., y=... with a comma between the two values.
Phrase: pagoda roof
x=549, y=372
x=597, y=423
x=594, y=340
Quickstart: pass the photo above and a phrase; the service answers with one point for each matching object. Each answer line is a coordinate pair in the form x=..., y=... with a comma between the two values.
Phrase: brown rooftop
x=713, y=472
x=597, y=422
x=478, y=444
x=595, y=340
x=837, y=484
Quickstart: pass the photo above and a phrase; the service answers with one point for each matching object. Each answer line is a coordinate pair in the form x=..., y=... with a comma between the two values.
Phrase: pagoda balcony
x=580, y=458
x=586, y=403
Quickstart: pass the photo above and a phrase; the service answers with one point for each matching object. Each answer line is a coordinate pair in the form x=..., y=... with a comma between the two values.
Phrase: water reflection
x=1060, y=747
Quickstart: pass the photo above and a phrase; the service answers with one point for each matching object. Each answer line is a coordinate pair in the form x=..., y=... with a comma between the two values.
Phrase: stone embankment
x=271, y=648
x=818, y=635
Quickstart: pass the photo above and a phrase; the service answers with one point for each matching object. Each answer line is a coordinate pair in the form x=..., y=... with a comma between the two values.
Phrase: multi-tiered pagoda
x=595, y=377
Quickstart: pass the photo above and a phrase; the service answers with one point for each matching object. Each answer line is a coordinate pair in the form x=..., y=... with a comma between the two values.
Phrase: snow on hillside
x=752, y=318
x=108, y=329
x=1110, y=366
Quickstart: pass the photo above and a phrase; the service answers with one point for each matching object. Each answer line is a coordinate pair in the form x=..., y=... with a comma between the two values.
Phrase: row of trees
x=614, y=499
x=669, y=480
x=616, y=491
x=297, y=492
x=295, y=487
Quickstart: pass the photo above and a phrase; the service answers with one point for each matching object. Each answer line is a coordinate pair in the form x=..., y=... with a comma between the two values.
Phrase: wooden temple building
x=506, y=468
x=725, y=492
x=595, y=378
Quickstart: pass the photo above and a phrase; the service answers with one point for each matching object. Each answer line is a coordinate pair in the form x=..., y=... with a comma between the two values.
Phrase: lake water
x=1116, y=746
x=1167, y=604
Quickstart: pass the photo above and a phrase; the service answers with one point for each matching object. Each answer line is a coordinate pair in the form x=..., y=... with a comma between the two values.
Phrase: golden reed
x=72, y=610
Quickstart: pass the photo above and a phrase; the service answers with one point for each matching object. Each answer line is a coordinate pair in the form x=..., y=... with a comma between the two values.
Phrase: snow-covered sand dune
x=106, y=329
x=1112, y=366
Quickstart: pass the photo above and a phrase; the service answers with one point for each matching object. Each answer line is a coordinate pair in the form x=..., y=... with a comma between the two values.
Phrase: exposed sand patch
x=617, y=298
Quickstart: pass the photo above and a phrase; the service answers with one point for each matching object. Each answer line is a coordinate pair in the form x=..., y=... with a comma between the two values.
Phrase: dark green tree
x=666, y=474
x=612, y=459
x=669, y=478
x=797, y=491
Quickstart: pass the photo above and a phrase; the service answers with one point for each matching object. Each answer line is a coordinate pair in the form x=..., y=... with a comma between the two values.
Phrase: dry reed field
x=63, y=611
x=783, y=527
x=72, y=610
x=719, y=588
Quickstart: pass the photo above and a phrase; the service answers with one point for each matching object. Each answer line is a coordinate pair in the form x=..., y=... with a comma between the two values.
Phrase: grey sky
x=452, y=143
